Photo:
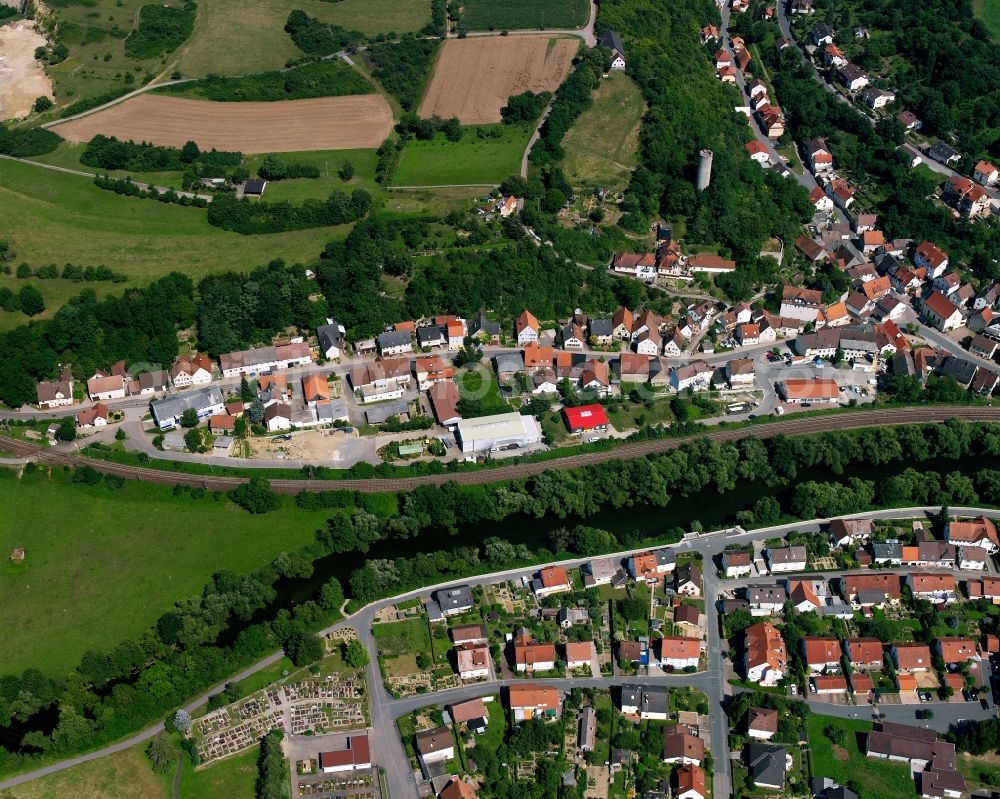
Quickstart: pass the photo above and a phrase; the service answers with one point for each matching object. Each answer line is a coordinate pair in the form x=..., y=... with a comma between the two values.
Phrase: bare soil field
x=473, y=77
x=325, y=123
x=22, y=78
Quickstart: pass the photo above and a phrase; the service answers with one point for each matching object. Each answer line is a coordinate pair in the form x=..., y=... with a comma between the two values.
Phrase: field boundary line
x=445, y=186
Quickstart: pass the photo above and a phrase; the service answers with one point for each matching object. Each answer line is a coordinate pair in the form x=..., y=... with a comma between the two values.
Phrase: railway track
x=852, y=420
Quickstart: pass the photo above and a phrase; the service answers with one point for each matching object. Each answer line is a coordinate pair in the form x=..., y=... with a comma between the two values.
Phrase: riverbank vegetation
x=237, y=619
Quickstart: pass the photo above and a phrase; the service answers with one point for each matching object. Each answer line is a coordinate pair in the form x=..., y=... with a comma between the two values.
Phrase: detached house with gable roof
x=527, y=328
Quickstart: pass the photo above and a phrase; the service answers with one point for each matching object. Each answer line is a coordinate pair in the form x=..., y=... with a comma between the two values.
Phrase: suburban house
x=979, y=532
x=850, y=532
x=680, y=746
x=551, y=580
x=107, y=387
x=765, y=600
x=679, y=652
x=265, y=359
x=736, y=563
x=820, y=160
x=530, y=656
x=473, y=661
x=955, y=649
x=937, y=588
x=191, y=370
x=54, y=394
x=911, y=657
x=222, y=424
x=932, y=258
x=331, y=339
x=457, y=789
x=455, y=600
x=315, y=389
x=648, y=703
x=527, y=328
x=613, y=42
x=687, y=580
x=852, y=77
x=579, y=655
x=762, y=723
x=868, y=590
x=985, y=173
x=469, y=634
x=383, y=379
x=356, y=756
x=586, y=729
x=278, y=417
x=765, y=658
x=863, y=653
x=434, y=746
x=432, y=369
x=531, y=701
x=97, y=416
x=205, y=402
x=785, y=559
x=484, y=329
x=984, y=588
x=765, y=764
x=689, y=782
x=820, y=653
x=395, y=342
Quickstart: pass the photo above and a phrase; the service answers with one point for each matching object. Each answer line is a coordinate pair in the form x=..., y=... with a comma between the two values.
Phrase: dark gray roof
x=766, y=763
x=199, y=399
x=612, y=41
x=959, y=369
x=254, y=186
x=431, y=334
x=940, y=151
x=392, y=338
x=826, y=788
x=379, y=413
x=887, y=550
x=601, y=327
x=454, y=598
x=331, y=335
x=484, y=324
x=509, y=362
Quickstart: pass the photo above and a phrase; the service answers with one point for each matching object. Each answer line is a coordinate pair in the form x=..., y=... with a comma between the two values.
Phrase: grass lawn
x=259, y=41
x=880, y=779
x=402, y=637
x=985, y=770
x=52, y=217
x=103, y=566
x=490, y=740
x=473, y=160
x=629, y=415
x=601, y=146
x=234, y=776
x=473, y=386
x=519, y=14
x=124, y=775
x=329, y=163
x=989, y=12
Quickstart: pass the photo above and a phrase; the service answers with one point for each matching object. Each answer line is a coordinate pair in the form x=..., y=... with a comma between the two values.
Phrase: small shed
x=254, y=187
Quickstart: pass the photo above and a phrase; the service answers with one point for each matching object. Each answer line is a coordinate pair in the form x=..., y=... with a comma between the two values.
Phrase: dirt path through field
x=474, y=77
x=22, y=78
x=325, y=123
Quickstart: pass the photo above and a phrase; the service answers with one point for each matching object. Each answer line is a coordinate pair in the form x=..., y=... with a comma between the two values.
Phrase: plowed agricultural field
x=325, y=123
x=473, y=77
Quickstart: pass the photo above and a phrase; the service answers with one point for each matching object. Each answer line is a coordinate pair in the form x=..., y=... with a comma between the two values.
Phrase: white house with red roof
x=758, y=152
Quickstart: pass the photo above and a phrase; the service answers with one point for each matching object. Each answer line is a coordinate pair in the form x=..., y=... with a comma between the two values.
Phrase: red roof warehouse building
x=586, y=417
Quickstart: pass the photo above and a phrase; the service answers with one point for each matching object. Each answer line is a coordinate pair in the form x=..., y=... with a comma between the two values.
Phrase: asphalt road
x=388, y=747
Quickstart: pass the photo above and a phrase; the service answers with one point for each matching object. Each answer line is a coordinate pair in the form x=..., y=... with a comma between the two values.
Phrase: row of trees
x=108, y=152
x=250, y=218
x=328, y=78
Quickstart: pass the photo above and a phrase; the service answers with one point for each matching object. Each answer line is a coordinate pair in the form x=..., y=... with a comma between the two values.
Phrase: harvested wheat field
x=324, y=123
x=473, y=77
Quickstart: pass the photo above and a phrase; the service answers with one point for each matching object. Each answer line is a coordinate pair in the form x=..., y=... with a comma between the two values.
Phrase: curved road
x=788, y=426
x=386, y=710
